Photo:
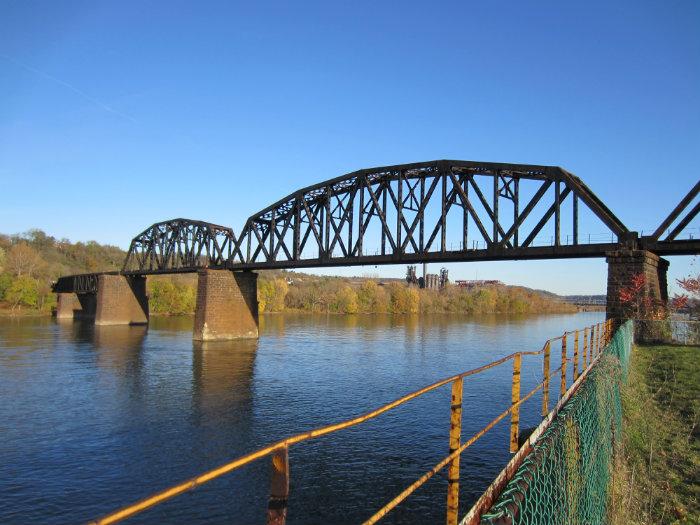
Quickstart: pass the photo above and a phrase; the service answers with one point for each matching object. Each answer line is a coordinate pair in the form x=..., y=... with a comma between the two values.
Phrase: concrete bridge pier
x=623, y=266
x=227, y=305
x=121, y=300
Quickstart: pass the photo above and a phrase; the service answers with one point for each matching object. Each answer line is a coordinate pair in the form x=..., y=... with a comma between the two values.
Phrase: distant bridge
x=586, y=300
x=439, y=211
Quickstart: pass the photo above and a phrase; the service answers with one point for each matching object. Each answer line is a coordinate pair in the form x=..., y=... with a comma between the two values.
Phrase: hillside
x=30, y=262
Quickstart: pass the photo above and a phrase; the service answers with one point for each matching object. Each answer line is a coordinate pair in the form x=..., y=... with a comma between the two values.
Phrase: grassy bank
x=657, y=474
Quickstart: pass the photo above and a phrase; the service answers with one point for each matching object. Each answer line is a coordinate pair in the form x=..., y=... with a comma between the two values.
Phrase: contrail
x=69, y=86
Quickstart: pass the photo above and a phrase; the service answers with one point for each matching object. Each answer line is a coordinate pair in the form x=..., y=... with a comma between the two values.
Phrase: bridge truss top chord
x=444, y=210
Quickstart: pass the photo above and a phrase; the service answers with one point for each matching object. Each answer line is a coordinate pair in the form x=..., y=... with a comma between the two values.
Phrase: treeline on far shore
x=30, y=262
x=287, y=291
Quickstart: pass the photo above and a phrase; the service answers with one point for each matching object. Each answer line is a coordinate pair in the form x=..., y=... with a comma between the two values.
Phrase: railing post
x=562, y=389
x=279, y=488
x=585, y=348
x=576, y=356
x=545, y=383
x=605, y=335
x=592, y=353
x=515, y=399
x=455, y=442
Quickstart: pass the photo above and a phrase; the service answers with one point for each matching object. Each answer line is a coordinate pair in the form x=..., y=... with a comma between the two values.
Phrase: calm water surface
x=92, y=418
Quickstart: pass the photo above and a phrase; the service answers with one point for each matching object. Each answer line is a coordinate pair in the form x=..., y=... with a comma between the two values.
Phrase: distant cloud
x=69, y=86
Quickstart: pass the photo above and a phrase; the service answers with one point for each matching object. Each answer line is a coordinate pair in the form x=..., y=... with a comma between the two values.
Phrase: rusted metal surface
x=562, y=386
x=576, y=355
x=455, y=438
x=545, y=387
x=515, y=403
x=491, y=494
x=420, y=481
x=279, y=487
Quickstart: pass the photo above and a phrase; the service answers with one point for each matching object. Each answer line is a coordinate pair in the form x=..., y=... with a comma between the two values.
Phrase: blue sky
x=115, y=115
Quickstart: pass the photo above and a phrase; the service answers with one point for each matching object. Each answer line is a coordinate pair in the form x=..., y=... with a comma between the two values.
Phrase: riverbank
x=658, y=464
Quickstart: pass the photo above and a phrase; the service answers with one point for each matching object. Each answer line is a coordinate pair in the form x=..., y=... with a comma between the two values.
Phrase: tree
x=638, y=303
x=346, y=301
x=372, y=298
x=271, y=295
x=2, y=259
x=5, y=283
x=24, y=291
x=22, y=259
x=404, y=299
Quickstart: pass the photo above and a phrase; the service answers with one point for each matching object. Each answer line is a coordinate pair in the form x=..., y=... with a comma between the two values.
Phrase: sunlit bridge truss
x=431, y=211
x=180, y=245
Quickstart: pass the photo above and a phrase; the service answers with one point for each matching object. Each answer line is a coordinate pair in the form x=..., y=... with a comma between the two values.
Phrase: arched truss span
x=441, y=210
x=445, y=210
x=180, y=245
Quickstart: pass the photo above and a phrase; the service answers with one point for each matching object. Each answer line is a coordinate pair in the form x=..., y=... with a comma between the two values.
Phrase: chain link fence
x=565, y=479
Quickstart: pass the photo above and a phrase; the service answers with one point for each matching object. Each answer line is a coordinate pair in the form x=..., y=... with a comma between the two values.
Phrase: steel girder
x=402, y=214
x=412, y=206
x=180, y=245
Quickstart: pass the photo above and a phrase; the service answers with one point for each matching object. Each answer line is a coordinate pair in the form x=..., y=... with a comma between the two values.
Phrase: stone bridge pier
x=71, y=305
x=121, y=299
x=623, y=266
x=227, y=305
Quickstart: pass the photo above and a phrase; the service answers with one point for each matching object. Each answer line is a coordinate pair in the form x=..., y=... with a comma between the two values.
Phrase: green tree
x=168, y=297
x=5, y=283
x=24, y=291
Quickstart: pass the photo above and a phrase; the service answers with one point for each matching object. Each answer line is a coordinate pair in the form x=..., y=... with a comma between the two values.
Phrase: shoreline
x=37, y=313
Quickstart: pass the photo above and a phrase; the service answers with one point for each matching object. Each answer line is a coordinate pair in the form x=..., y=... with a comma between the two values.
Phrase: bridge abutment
x=623, y=267
x=227, y=305
x=121, y=300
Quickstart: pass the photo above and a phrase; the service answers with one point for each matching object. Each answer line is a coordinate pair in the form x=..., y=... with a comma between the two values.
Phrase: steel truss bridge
x=442, y=211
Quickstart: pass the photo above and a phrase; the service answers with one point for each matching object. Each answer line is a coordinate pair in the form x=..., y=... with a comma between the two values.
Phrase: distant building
x=411, y=275
x=431, y=281
x=477, y=283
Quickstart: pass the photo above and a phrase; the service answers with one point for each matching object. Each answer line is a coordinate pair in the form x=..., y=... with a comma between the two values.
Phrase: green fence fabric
x=565, y=479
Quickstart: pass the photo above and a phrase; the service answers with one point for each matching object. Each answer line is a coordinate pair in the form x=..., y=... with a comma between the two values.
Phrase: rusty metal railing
x=597, y=335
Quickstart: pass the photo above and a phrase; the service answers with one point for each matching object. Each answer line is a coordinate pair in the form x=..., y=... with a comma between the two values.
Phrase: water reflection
x=93, y=417
x=222, y=375
x=119, y=348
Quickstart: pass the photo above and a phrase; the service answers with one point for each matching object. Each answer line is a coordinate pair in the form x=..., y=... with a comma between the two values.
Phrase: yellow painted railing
x=600, y=335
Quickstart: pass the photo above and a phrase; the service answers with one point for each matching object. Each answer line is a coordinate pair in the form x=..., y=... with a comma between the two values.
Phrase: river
x=92, y=418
